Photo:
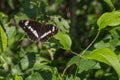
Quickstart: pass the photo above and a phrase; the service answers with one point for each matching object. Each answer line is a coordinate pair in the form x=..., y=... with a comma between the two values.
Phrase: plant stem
x=90, y=43
x=65, y=70
x=76, y=73
x=75, y=53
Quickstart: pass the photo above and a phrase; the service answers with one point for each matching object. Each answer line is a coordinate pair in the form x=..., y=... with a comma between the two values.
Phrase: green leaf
x=64, y=40
x=24, y=63
x=10, y=2
x=61, y=23
x=10, y=32
x=3, y=39
x=74, y=60
x=55, y=75
x=2, y=15
x=109, y=19
x=114, y=32
x=72, y=78
x=15, y=69
x=86, y=65
x=35, y=76
x=32, y=62
x=107, y=56
x=33, y=9
x=109, y=2
x=18, y=77
x=83, y=64
x=101, y=44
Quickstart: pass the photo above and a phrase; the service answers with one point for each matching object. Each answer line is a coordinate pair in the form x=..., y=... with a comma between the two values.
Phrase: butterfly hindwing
x=37, y=31
x=50, y=30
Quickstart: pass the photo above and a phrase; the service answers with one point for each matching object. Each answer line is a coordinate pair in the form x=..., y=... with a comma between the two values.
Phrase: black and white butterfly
x=37, y=31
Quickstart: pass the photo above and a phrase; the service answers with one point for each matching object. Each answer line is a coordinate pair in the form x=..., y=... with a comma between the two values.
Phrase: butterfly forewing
x=37, y=31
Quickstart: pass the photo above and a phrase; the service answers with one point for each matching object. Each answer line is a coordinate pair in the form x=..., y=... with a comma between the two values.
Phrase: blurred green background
x=77, y=19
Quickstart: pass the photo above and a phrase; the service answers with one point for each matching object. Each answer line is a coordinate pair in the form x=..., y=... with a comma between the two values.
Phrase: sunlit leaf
x=109, y=19
x=2, y=15
x=3, y=39
x=107, y=56
x=18, y=77
x=64, y=40
x=101, y=44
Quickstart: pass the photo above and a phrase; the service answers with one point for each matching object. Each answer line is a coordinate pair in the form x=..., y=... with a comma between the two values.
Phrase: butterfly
x=38, y=31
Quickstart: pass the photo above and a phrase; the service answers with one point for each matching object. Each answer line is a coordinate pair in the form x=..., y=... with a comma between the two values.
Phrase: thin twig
x=90, y=43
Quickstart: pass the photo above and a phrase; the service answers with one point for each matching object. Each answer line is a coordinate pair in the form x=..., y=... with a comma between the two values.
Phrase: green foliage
x=107, y=56
x=83, y=64
x=109, y=19
x=3, y=39
x=64, y=40
x=110, y=4
x=66, y=56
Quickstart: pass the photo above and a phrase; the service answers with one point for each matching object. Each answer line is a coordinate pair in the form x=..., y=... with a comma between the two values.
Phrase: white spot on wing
x=29, y=27
x=26, y=23
x=33, y=31
x=53, y=28
x=45, y=34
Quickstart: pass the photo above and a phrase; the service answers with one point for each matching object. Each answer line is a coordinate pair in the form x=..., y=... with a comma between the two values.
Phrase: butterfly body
x=37, y=31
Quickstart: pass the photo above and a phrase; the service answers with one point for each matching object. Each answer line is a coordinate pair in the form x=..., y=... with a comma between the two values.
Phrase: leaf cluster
x=65, y=56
